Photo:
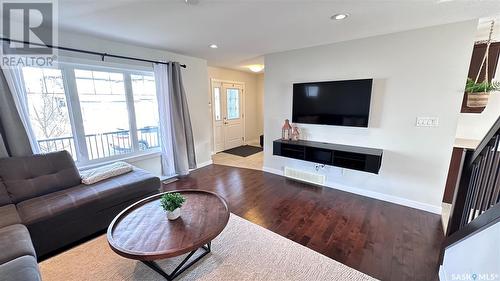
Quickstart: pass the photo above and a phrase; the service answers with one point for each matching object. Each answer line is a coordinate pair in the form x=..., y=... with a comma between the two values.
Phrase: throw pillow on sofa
x=101, y=173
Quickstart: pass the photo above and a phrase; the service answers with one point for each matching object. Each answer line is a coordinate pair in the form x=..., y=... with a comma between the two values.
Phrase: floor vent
x=304, y=176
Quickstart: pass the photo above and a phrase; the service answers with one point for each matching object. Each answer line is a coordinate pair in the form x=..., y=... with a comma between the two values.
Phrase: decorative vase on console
x=295, y=133
x=286, y=130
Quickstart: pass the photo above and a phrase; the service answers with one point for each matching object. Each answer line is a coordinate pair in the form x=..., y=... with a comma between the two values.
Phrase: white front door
x=232, y=115
x=227, y=100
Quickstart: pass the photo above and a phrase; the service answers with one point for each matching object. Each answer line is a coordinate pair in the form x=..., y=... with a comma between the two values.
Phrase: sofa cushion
x=84, y=198
x=22, y=268
x=4, y=196
x=15, y=241
x=9, y=215
x=31, y=176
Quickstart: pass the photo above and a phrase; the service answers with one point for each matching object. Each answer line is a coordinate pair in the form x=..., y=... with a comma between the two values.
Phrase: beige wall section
x=254, y=91
x=260, y=102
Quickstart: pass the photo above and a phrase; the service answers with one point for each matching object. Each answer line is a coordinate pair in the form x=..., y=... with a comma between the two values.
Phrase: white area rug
x=243, y=251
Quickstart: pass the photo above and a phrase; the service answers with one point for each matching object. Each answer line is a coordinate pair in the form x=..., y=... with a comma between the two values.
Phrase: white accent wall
x=416, y=73
x=194, y=78
x=479, y=254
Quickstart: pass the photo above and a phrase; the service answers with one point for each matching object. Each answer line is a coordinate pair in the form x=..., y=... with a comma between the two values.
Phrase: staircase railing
x=477, y=195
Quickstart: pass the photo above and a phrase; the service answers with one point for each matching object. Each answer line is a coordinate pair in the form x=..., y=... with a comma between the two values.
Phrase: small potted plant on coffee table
x=172, y=203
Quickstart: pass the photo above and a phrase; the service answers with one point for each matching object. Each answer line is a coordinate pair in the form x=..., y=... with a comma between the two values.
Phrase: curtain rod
x=102, y=55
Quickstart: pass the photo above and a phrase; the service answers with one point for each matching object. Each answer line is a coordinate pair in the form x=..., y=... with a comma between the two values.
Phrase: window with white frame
x=95, y=113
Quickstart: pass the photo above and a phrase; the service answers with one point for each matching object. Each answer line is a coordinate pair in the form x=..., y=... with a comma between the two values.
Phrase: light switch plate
x=427, y=122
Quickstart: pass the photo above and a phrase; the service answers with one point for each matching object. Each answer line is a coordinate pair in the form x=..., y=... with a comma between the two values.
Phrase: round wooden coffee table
x=143, y=232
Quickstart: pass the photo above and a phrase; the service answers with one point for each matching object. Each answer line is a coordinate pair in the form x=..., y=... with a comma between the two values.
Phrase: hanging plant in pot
x=172, y=203
x=479, y=93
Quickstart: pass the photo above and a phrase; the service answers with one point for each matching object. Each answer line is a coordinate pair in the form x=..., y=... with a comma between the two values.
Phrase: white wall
x=478, y=254
x=194, y=78
x=253, y=121
x=475, y=126
x=416, y=73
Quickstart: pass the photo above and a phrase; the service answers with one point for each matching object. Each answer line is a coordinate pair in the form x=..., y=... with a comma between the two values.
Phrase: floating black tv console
x=345, y=156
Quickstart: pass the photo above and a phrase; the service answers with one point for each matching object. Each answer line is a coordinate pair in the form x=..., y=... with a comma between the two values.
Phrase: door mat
x=244, y=150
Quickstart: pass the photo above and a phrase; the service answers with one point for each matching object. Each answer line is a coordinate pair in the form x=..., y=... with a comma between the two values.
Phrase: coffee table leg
x=181, y=267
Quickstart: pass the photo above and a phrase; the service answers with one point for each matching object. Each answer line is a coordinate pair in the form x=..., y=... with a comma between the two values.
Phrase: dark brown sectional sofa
x=44, y=207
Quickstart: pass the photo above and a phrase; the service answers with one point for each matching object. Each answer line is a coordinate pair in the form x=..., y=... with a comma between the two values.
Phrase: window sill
x=127, y=158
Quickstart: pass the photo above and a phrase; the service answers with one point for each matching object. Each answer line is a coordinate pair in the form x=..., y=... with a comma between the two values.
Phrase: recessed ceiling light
x=191, y=2
x=213, y=46
x=256, y=67
x=339, y=16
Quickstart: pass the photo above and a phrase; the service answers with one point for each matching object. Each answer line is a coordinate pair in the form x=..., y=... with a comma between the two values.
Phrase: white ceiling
x=245, y=30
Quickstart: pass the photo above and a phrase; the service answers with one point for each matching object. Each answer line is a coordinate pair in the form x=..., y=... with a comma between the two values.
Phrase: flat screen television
x=342, y=103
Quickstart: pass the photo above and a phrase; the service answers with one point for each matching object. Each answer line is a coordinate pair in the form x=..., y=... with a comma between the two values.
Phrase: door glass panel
x=48, y=109
x=104, y=113
x=217, y=104
x=146, y=111
x=233, y=104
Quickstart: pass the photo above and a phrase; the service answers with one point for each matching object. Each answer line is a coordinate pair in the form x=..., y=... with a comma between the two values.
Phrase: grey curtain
x=182, y=132
x=13, y=138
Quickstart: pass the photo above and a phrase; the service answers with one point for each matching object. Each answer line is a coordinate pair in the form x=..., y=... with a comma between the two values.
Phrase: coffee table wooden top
x=143, y=232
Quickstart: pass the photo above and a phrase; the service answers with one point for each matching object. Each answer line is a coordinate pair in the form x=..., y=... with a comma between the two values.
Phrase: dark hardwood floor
x=384, y=240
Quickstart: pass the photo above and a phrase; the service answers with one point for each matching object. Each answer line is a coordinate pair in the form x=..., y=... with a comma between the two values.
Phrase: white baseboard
x=168, y=180
x=273, y=171
x=255, y=142
x=163, y=178
x=389, y=198
x=373, y=194
x=204, y=164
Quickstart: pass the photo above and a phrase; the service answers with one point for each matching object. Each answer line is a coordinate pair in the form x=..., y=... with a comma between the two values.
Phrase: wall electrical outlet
x=427, y=122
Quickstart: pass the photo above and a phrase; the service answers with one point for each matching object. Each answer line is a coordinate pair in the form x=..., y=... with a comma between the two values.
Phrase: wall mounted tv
x=342, y=103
